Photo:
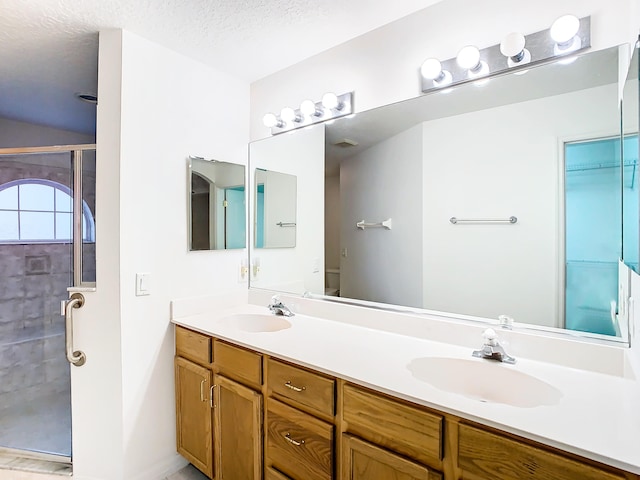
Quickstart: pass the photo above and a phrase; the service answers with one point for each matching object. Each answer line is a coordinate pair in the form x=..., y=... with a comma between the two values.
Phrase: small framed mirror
x=275, y=209
x=217, y=205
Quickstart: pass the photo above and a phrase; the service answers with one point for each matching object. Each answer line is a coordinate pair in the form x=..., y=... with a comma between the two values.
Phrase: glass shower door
x=37, y=267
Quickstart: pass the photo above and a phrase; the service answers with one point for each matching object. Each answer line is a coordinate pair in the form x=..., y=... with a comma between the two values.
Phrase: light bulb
x=564, y=29
x=331, y=102
x=289, y=115
x=512, y=46
x=270, y=120
x=431, y=69
x=468, y=57
x=308, y=109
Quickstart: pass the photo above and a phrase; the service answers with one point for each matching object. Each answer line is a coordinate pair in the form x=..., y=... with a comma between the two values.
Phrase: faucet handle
x=490, y=336
x=275, y=299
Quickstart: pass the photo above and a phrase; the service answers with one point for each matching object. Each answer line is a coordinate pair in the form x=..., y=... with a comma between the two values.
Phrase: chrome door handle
x=77, y=357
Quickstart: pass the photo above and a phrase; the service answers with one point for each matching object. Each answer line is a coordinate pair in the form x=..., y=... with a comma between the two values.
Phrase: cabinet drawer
x=303, y=387
x=406, y=429
x=364, y=461
x=299, y=445
x=238, y=363
x=490, y=455
x=275, y=475
x=193, y=345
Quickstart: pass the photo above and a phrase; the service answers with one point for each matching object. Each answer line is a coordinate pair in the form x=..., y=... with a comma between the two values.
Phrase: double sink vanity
x=330, y=392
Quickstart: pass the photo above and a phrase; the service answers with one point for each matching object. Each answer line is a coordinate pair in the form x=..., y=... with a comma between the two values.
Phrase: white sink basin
x=485, y=380
x=258, y=322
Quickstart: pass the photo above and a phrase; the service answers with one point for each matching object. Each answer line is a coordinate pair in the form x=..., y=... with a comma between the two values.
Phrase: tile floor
x=43, y=424
x=6, y=473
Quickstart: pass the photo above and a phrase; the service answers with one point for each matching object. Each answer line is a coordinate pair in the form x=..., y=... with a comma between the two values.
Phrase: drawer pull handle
x=288, y=438
x=202, y=390
x=293, y=387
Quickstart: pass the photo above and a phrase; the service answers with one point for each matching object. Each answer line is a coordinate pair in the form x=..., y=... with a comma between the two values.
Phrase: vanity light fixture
x=565, y=37
x=432, y=70
x=331, y=106
x=564, y=32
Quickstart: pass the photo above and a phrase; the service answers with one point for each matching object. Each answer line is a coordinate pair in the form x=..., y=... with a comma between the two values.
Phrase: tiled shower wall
x=34, y=279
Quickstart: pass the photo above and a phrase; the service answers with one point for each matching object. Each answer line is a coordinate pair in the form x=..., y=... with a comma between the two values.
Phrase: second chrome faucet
x=491, y=349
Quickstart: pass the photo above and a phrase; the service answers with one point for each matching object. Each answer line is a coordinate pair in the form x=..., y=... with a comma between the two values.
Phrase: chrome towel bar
x=509, y=220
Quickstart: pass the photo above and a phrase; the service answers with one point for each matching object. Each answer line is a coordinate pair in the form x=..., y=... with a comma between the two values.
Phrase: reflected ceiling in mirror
x=216, y=205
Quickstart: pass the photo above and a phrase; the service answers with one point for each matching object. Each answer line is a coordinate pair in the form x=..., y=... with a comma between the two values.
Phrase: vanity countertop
x=598, y=416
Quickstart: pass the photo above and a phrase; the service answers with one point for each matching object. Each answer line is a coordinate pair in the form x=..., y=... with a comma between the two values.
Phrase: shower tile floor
x=42, y=424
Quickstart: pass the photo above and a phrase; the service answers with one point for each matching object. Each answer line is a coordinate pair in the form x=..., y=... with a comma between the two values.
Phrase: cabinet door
x=238, y=425
x=364, y=461
x=194, y=434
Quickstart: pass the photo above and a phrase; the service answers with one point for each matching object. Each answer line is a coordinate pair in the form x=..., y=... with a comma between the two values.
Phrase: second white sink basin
x=485, y=380
x=257, y=322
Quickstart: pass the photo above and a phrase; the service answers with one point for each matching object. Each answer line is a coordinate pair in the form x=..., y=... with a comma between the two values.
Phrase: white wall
x=496, y=163
x=382, y=66
x=20, y=134
x=300, y=154
x=156, y=108
x=384, y=181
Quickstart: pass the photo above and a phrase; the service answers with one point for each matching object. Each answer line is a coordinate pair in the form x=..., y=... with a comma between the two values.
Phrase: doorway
x=47, y=244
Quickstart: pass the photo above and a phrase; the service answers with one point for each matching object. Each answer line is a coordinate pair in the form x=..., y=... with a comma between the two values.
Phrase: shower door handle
x=77, y=357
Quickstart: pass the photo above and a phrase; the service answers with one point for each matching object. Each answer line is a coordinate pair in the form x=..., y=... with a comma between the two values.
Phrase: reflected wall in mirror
x=217, y=219
x=484, y=152
x=275, y=209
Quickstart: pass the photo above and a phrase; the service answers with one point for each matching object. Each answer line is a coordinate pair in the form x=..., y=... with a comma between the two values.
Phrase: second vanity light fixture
x=331, y=106
x=566, y=36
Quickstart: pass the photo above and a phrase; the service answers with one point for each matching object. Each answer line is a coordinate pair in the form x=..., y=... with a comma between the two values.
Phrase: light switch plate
x=143, y=284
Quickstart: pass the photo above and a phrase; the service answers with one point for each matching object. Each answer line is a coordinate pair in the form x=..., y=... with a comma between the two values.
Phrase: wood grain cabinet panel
x=238, y=428
x=406, y=429
x=364, y=461
x=273, y=474
x=298, y=444
x=484, y=454
x=193, y=345
x=194, y=434
x=238, y=363
x=304, y=388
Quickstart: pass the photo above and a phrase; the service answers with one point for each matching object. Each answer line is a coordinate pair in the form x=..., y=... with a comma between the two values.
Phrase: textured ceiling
x=48, y=49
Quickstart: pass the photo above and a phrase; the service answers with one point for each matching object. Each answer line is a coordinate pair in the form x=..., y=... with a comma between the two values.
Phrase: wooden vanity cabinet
x=219, y=407
x=241, y=415
x=485, y=454
x=300, y=422
x=194, y=422
x=388, y=438
x=238, y=430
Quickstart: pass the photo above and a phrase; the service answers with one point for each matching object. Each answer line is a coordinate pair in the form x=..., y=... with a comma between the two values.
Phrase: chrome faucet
x=492, y=349
x=279, y=308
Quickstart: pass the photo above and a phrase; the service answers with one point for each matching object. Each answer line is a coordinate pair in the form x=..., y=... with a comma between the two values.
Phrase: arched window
x=36, y=210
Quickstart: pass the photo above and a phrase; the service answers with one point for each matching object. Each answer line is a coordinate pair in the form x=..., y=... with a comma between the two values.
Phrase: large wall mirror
x=216, y=205
x=504, y=199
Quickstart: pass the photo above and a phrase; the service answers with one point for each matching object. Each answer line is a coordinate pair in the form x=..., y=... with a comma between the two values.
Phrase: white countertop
x=598, y=416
